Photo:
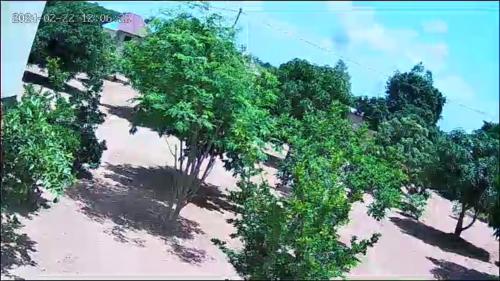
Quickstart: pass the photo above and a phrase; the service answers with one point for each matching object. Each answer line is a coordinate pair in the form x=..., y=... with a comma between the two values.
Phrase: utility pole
x=237, y=17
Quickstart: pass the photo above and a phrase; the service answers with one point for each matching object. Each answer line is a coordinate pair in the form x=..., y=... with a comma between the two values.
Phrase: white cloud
x=402, y=46
x=434, y=55
x=362, y=37
x=455, y=87
x=435, y=26
x=360, y=24
x=326, y=43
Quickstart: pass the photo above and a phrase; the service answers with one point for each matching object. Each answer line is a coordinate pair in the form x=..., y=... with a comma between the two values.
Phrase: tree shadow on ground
x=29, y=209
x=38, y=79
x=134, y=199
x=445, y=241
x=15, y=247
x=402, y=213
x=446, y=270
x=188, y=254
x=125, y=112
x=273, y=161
x=158, y=180
x=211, y=198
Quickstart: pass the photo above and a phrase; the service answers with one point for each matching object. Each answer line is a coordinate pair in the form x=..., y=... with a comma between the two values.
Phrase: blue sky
x=457, y=41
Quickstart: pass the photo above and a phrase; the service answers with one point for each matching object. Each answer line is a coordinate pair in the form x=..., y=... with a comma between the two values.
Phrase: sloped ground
x=109, y=226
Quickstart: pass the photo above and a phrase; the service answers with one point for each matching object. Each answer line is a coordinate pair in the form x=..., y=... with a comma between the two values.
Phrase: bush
x=38, y=147
x=57, y=77
x=296, y=236
x=74, y=47
x=80, y=46
x=414, y=204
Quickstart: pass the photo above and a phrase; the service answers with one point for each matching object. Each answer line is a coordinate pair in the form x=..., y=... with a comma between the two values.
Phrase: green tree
x=408, y=93
x=37, y=147
x=466, y=171
x=195, y=84
x=72, y=47
x=413, y=92
x=80, y=46
x=305, y=86
x=407, y=141
x=374, y=110
x=295, y=236
x=406, y=123
x=492, y=129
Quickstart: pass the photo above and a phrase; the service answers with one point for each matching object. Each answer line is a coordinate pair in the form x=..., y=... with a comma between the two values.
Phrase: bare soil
x=109, y=226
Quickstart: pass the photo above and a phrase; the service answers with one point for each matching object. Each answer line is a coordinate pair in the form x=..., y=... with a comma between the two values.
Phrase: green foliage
x=494, y=209
x=407, y=141
x=408, y=93
x=295, y=237
x=406, y=123
x=196, y=85
x=57, y=77
x=413, y=92
x=492, y=129
x=80, y=46
x=73, y=47
x=374, y=110
x=88, y=115
x=414, y=204
x=466, y=171
x=372, y=173
x=305, y=86
x=38, y=147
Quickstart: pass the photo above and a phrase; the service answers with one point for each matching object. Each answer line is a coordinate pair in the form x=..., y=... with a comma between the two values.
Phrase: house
x=130, y=26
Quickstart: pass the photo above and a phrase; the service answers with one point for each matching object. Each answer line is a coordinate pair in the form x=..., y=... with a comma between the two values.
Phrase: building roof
x=130, y=23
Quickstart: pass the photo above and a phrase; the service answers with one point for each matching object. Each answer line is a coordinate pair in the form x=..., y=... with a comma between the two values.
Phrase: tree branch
x=210, y=165
x=476, y=212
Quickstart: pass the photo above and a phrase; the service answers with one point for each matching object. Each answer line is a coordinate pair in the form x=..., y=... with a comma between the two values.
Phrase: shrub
x=38, y=147
x=57, y=77
x=296, y=236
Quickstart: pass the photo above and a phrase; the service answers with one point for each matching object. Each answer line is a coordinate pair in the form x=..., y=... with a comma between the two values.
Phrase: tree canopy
x=406, y=124
x=81, y=46
x=196, y=85
x=406, y=93
x=413, y=92
x=492, y=129
x=294, y=236
x=305, y=86
x=374, y=110
x=38, y=147
x=466, y=171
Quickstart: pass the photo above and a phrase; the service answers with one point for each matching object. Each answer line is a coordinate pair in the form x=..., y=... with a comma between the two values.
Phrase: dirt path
x=108, y=227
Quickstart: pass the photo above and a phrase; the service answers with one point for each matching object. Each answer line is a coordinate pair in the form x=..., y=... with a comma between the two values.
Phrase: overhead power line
x=328, y=50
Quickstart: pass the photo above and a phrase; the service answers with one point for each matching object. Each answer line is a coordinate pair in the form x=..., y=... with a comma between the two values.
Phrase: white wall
x=16, y=41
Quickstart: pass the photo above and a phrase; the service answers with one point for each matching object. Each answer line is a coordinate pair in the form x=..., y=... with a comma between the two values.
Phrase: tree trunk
x=460, y=222
x=288, y=153
x=476, y=212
